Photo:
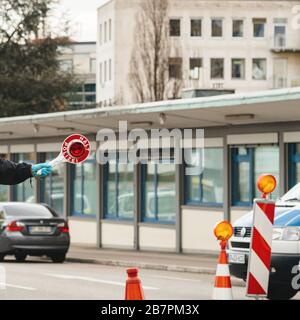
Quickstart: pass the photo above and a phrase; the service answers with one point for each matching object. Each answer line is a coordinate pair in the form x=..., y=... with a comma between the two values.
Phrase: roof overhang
x=270, y=106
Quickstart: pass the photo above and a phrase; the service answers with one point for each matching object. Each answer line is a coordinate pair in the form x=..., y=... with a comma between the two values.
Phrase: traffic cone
x=133, y=290
x=222, y=289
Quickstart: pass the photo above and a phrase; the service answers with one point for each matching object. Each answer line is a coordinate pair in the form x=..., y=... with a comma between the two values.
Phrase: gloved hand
x=41, y=169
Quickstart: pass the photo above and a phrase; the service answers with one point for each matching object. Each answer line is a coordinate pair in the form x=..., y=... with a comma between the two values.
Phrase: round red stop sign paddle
x=76, y=148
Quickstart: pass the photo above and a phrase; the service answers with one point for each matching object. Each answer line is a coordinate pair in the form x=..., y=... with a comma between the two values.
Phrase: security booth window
x=259, y=69
x=259, y=27
x=158, y=192
x=24, y=191
x=238, y=69
x=119, y=190
x=237, y=28
x=247, y=164
x=293, y=164
x=216, y=28
x=204, y=188
x=84, y=188
x=196, y=28
x=4, y=190
x=52, y=191
x=217, y=68
x=174, y=25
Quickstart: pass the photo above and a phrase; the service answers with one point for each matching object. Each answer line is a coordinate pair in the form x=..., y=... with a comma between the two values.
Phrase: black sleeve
x=13, y=173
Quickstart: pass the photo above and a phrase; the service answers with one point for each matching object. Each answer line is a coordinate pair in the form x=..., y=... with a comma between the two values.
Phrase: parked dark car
x=32, y=229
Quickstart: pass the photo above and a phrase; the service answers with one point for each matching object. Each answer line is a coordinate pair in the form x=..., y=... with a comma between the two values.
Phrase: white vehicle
x=285, y=260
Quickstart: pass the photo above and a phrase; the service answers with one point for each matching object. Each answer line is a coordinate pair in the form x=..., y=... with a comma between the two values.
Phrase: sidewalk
x=203, y=263
x=197, y=263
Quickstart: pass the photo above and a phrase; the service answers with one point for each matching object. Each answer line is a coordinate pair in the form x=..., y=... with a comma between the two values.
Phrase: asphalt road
x=39, y=280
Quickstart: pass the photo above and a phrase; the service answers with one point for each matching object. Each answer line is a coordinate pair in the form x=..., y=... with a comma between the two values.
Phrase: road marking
x=17, y=286
x=114, y=283
x=176, y=278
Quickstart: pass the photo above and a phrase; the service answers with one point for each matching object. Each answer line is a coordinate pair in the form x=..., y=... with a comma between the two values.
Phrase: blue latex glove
x=41, y=169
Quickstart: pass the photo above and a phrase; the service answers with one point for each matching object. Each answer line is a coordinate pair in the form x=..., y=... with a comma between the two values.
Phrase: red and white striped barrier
x=260, y=248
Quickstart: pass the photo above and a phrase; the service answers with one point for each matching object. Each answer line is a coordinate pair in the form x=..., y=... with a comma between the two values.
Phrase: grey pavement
x=38, y=279
x=188, y=263
x=193, y=263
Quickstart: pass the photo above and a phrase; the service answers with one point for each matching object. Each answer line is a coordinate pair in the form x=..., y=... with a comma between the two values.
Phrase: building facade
x=157, y=206
x=229, y=45
x=79, y=58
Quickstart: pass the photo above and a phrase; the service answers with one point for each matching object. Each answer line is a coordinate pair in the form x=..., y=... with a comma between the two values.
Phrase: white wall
x=157, y=238
x=197, y=229
x=83, y=232
x=117, y=235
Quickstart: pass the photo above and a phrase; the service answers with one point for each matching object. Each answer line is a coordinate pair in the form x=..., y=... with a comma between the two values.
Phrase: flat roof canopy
x=281, y=105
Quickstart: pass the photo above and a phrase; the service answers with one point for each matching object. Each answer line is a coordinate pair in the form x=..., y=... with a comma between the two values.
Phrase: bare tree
x=149, y=59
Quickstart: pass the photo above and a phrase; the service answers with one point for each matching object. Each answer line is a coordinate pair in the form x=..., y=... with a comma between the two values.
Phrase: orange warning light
x=223, y=231
x=266, y=183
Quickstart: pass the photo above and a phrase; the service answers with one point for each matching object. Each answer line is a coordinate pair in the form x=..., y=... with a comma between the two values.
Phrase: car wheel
x=20, y=257
x=280, y=291
x=2, y=256
x=58, y=257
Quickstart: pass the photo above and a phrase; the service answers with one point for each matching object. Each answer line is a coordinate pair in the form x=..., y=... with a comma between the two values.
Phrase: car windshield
x=23, y=210
x=292, y=195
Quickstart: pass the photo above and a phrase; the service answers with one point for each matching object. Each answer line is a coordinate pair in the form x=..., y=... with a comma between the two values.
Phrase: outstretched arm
x=13, y=173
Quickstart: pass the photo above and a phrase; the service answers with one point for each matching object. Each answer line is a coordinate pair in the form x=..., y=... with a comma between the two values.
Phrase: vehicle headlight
x=277, y=233
x=286, y=234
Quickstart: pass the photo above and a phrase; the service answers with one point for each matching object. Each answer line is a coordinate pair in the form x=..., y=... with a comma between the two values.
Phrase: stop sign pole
x=261, y=240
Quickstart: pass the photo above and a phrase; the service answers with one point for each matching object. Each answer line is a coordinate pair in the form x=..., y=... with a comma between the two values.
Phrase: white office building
x=231, y=45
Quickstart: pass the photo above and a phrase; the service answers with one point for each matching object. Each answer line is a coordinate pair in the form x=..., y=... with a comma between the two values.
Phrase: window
x=280, y=36
x=237, y=28
x=25, y=191
x=90, y=98
x=83, y=188
x=217, y=68
x=92, y=65
x=248, y=163
x=3, y=189
x=52, y=187
x=174, y=27
x=158, y=193
x=105, y=32
x=100, y=34
x=66, y=65
x=119, y=190
x=109, y=29
x=105, y=71
x=175, y=68
x=259, y=69
x=89, y=87
x=101, y=72
x=206, y=188
x=216, y=27
x=238, y=68
x=195, y=66
x=3, y=193
x=293, y=164
x=196, y=28
x=259, y=28
x=109, y=70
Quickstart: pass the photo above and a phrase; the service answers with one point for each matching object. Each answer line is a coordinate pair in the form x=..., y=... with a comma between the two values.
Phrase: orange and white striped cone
x=222, y=289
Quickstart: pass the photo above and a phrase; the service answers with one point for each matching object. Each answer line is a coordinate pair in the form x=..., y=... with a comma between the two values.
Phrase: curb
x=152, y=266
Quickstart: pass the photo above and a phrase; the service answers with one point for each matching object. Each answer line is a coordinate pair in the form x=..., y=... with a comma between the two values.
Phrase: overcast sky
x=83, y=15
